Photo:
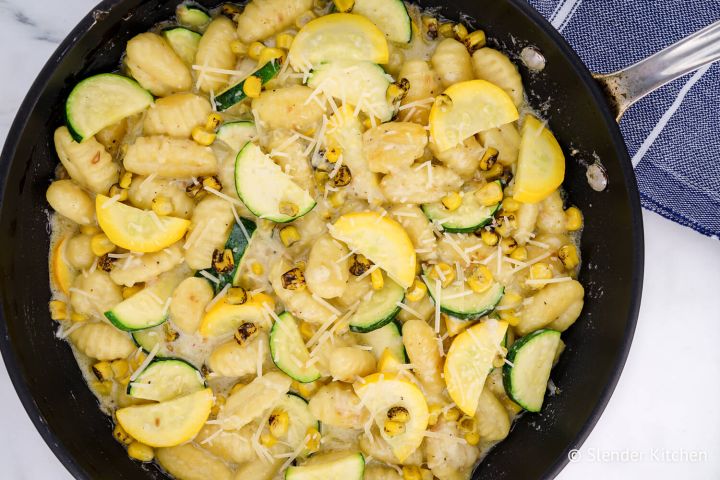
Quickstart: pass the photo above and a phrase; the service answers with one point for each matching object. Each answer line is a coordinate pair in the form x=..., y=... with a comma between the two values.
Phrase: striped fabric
x=673, y=135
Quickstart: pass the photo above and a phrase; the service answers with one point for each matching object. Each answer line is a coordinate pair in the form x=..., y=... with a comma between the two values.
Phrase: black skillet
x=44, y=371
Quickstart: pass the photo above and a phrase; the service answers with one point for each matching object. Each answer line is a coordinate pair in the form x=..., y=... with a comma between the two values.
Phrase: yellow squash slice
x=541, y=163
x=338, y=36
x=170, y=423
x=381, y=391
x=469, y=360
x=467, y=108
x=62, y=273
x=382, y=240
x=225, y=318
x=137, y=230
x=388, y=362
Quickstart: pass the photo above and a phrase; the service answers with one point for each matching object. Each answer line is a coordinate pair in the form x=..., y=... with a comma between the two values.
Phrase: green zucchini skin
x=284, y=335
x=192, y=15
x=235, y=94
x=494, y=295
x=388, y=336
x=238, y=244
x=388, y=310
x=159, y=363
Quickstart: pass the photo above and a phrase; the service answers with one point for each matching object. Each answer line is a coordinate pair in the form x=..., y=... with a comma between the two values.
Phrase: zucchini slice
x=165, y=379
x=147, y=308
x=102, y=100
x=380, y=310
x=301, y=419
x=237, y=243
x=235, y=94
x=390, y=16
x=471, y=216
x=263, y=187
x=185, y=42
x=527, y=371
x=388, y=337
x=468, y=306
x=192, y=15
x=355, y=83
x=237, y=134
x=288, y=350
x=345, y=465
x=148, y=338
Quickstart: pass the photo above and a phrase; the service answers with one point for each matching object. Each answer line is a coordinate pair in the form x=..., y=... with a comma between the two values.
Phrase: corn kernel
x=508, y=245
x=120, y=368
x=510, y=316
x=137, y=360
x=488, y=159
x=430, y=26
x=77, y=317
x=397, y=91
x=393, y=428
x=452, y=201
x=493, y=172
x=520, y=254
x=128, y=292
x=140, y=451
x=89, y=230
x=490, y=194
x=510, y=299
x=443, y=272
x=306, y=330
x=162, y=205
x=279, y=422
x=472, y=438
x=336, y=199
x=211, y=182
x=288, y=208
x=333, y=154
x=376, y=279
x=313, y=440
x=371, y=122
x=103, y=371
x=236, y=388
x=411, y=472
x=507, y=224
x=344, y=6
x=257, y=268
x=540, y=271
x=202, y=136
x=252, y=86
x=446, y=29
x=245, y=333
x=307, y=390
x=284, y=40
x=489, y=237
x=121, y=435
x=238, y=48
x=573, y=219
x=467, y=423
x=125, y=180
x=568, y=255
x=452, y=414
x=434, y=411
x=475, y=41
x=398, y=414
x=269, y=54
x=102, y=388
x=58, y=310
x=417, y=291
x=236, y=296
x=213, y=121
x=120, y=193
x=254, y=50
x=219, y=403
x=460, y=32
x=289, y=235
x=510, y=205
x=480, y=279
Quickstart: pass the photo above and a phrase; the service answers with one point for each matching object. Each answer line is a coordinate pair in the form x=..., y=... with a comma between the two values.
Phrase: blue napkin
x=673, y=135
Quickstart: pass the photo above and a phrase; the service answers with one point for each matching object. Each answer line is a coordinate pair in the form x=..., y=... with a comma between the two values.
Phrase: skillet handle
x=627, y=86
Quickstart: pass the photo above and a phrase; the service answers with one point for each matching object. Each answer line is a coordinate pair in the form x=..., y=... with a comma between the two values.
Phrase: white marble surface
x=664, y=409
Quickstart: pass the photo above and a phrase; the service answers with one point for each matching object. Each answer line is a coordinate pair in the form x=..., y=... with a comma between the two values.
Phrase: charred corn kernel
x=336, y=199
x=128, y=292
x=493, y=172
x=443, y=272
x=490, y=194
x=236, y=388
x=202, y=136
x=460, y=32
x=89, y=230
x=568, y=255
x=162, y=205
x=213, y=121
x=245, y=333
x=284, y=40
x=257, y=268
x=398, y=90
x=480, y=279
x=304, y=18
x=140, y=451
x=343, y=6
x=312, y=442
x=489, y=238
x=77, y=317
x=230, y=10
x=293, y=279
x=443, y=102
x=223, y=261
x=506, y=225
x=540, y=271
x=269, y=54
x=398, y=414
x=121, y=435
x=573, y=219
x=376, y=279
x=120, y=368
x=520, y=254
x=170, y=333
x=125, y=180
x=120, y=193
x=239, y=48
x=211, y=182
x=236, y=296
x=510, y=299
x=289, y=235
x=411, y=472
x=417, y=291
x=103, y=371
x=58, y=310
x=488, y=159
x=252, y=86
x=306, y=330
x=393, y=428
x=333, y=154
x=106, y=263
x=452, y=201
x=359, y=264
x=434, y=411
x=279, y=422
x=288, y=208
x=342, y=177
x=472, y=438
x=508, y=245
x=446, y=29
x=510, y=205
x=430, y=27
x=475, y=40
x=467, y=423
x=102, y=388
x=451, y=414
x=255, y=49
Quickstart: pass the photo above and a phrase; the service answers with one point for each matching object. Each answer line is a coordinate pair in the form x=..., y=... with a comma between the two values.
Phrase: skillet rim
x=599, y=102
